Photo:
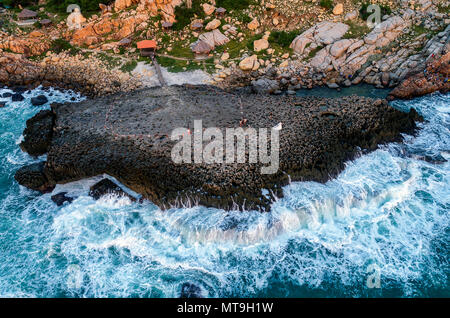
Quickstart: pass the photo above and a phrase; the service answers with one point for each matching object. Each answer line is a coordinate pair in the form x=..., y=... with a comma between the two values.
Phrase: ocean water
x=380, y=229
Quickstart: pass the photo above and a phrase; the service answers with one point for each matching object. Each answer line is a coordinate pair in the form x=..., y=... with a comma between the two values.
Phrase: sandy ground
x=150, y=79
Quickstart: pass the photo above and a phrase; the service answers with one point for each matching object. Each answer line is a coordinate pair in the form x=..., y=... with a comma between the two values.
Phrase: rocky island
x=128, y=136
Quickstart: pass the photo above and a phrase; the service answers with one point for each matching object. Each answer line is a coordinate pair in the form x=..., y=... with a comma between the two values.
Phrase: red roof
x=147, y=44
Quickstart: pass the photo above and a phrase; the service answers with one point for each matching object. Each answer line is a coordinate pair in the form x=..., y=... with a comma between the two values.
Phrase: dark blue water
x=384, y=222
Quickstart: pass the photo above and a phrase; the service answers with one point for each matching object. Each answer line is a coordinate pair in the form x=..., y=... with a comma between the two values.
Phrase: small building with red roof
x=147, y=47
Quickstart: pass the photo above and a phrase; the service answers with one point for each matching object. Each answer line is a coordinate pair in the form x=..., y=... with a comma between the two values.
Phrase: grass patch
x=443, y=8
x=283, y=38
x=128, y=67
x=326, y=4
x=313, y=52
x=356, y=30
x=233, y=4
x=384, y=10
x=61, y=45
x=184, y=15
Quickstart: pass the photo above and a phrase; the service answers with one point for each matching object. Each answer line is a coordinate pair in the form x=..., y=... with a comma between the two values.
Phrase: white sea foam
x=386, y=208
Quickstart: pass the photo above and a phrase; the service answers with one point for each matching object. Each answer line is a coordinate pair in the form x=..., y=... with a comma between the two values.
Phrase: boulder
x=214, y=38
x=323, y=33
x=249, y=63
x=338, y=9
x=39, y=100
x=260, y=45
x=61, y=198
x=107, y=187
x=38, y=133
x=17, y=97
x=2, y=104
x=253, y=25
x=34, y=177
x=351, y=15
x=214, y=24
x=265, y=85
x=339, y=47
x=208, y=8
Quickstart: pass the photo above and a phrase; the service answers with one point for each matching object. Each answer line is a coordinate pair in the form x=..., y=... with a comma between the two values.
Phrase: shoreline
x=322, y=133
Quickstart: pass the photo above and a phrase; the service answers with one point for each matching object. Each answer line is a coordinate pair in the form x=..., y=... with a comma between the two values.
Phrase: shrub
x=283, y=38
x=385, y=10
x=327, y=4
x=60, y=45
x=85, y=5
x=233, y=4
x=184, y=15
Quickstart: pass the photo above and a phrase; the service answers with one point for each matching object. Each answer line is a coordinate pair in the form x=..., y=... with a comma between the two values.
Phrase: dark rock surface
x=2, y=104
x=17, y=97
x=39, y=100
x=38, y=133
x=34, y=177
x=105, y=187
x=61, y=198
x=128, y=136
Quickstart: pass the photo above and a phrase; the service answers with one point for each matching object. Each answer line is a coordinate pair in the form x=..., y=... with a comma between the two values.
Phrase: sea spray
x=386, y=212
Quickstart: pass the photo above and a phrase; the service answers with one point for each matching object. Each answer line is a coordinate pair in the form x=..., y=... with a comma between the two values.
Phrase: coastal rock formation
x=435, y=77
x=38, y=133
x=64, y=71
x=321, y=34
x=127, y=136
x=105, y=187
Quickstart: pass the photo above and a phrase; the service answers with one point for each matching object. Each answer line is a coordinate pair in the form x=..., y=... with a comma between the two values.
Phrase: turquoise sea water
x=384, y=219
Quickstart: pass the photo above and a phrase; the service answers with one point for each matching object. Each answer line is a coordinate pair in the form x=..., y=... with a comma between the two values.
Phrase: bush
x=15, y=3
x=283, y=38
x=60, y=45
x=385, y=10
x=327, y=4
x=85, y=5
x=233, y=4
x=184, y=15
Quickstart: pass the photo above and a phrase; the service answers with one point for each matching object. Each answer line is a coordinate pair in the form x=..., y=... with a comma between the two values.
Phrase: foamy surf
x=387, y=211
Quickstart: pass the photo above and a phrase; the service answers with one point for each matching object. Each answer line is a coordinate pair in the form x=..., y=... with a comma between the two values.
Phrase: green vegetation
x=385, y=10
x=233, y=4
x=327, y=4
x=184, y=15
x=283, y=38
x=128, y=67
x=356, y=30
x=443, y=8
x=60, y=6
x=313, y=52
x=60, y=45
x=15, y=3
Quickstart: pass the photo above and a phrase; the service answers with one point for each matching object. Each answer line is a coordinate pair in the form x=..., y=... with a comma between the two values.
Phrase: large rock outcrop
x=128, y=136
x=435, y=77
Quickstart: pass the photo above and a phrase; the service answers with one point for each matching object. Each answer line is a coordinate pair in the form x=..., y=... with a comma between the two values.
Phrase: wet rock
x=189, y=290
x=265, y=85
x=2, y=104
x=16, y=97
x=61, y=198
x=39, y=100
x=6, y=95
x=38, y=133
x=138, y=153
x=105, y=187
x=34, y=177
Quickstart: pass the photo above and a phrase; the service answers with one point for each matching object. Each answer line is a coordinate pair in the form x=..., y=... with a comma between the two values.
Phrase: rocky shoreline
x=108, y=135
